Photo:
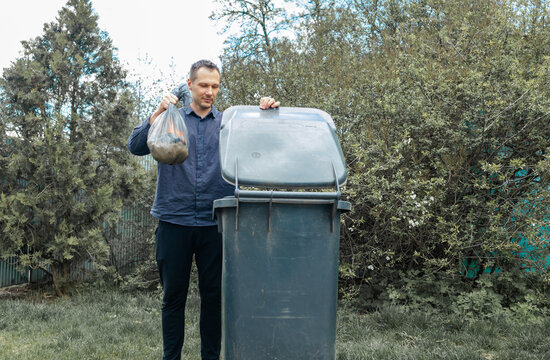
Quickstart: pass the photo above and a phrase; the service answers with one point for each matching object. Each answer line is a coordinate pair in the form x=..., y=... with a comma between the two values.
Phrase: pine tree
x=66, y=116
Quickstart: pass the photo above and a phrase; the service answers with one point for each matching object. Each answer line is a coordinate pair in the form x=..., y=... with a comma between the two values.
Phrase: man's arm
x=137, y=142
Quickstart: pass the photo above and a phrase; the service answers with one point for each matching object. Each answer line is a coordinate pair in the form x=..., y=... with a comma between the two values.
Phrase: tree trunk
x=56, y=281
x=60, y=277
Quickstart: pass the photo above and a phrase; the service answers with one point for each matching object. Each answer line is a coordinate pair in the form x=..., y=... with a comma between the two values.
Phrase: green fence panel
x=10, y=275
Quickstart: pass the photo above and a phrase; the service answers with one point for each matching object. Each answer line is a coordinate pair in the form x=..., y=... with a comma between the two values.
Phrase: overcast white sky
x=161, y=29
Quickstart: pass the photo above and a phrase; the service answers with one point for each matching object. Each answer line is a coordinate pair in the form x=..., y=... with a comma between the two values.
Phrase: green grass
x=95, y=325
x=108, y=324
x=394, y=333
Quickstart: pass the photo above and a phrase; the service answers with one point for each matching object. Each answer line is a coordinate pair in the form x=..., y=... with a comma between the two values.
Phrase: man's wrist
x=153, y=117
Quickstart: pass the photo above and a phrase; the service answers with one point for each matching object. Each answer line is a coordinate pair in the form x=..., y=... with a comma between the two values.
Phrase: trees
x=65, y=112
x=252, y=48
x=449, y=170
x=260, y=21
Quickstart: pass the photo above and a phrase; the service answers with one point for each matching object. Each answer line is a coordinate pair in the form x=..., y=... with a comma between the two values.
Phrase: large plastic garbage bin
x=280, y=248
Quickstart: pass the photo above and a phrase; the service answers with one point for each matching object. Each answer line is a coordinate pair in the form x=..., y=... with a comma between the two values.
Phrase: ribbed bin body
x=279, y=283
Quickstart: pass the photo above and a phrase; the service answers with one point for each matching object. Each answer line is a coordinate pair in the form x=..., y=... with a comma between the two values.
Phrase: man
x=183, y=205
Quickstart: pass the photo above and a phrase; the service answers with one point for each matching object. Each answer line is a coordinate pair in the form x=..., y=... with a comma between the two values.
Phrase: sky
x=165, y=31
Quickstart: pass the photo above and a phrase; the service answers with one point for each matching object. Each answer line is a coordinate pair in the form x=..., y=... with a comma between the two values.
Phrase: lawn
x=110, y=324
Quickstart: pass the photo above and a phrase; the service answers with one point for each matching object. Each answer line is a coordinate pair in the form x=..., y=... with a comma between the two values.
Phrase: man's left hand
x=269, y=103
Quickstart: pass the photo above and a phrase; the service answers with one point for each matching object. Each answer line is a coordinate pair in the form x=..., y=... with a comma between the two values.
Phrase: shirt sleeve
x=137, y=142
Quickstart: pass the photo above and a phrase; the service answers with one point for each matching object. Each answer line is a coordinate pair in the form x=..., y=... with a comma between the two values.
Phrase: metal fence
x=11, y=274
x=132, y=239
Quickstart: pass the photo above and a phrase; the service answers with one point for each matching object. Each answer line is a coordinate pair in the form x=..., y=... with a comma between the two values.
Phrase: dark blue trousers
x=175, y=247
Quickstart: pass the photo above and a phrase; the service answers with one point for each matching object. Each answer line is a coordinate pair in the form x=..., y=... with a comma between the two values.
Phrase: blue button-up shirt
x=186, y=192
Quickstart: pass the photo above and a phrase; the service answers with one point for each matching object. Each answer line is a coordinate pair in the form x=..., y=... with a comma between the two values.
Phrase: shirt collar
x=213, y=114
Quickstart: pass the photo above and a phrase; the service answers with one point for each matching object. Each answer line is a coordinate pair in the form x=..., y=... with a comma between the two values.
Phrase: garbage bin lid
x=284, y=147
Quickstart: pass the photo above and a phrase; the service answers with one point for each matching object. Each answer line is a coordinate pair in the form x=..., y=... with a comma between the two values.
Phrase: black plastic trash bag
x=167, y=137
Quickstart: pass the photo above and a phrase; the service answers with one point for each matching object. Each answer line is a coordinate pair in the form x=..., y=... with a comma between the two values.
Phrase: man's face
x=205, y=87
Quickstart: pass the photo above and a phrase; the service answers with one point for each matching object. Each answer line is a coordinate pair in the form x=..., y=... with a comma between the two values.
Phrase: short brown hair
x=201, y=63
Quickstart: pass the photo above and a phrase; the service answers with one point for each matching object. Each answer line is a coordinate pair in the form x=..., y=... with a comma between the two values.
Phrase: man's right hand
x=163, y=106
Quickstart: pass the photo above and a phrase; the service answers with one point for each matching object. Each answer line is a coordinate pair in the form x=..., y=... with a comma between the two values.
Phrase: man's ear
x=189, y=84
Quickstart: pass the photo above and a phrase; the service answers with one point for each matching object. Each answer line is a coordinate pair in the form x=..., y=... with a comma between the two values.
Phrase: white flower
x=413, y=223
x=413, y=195
x=388, y=258
x=370, y=267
